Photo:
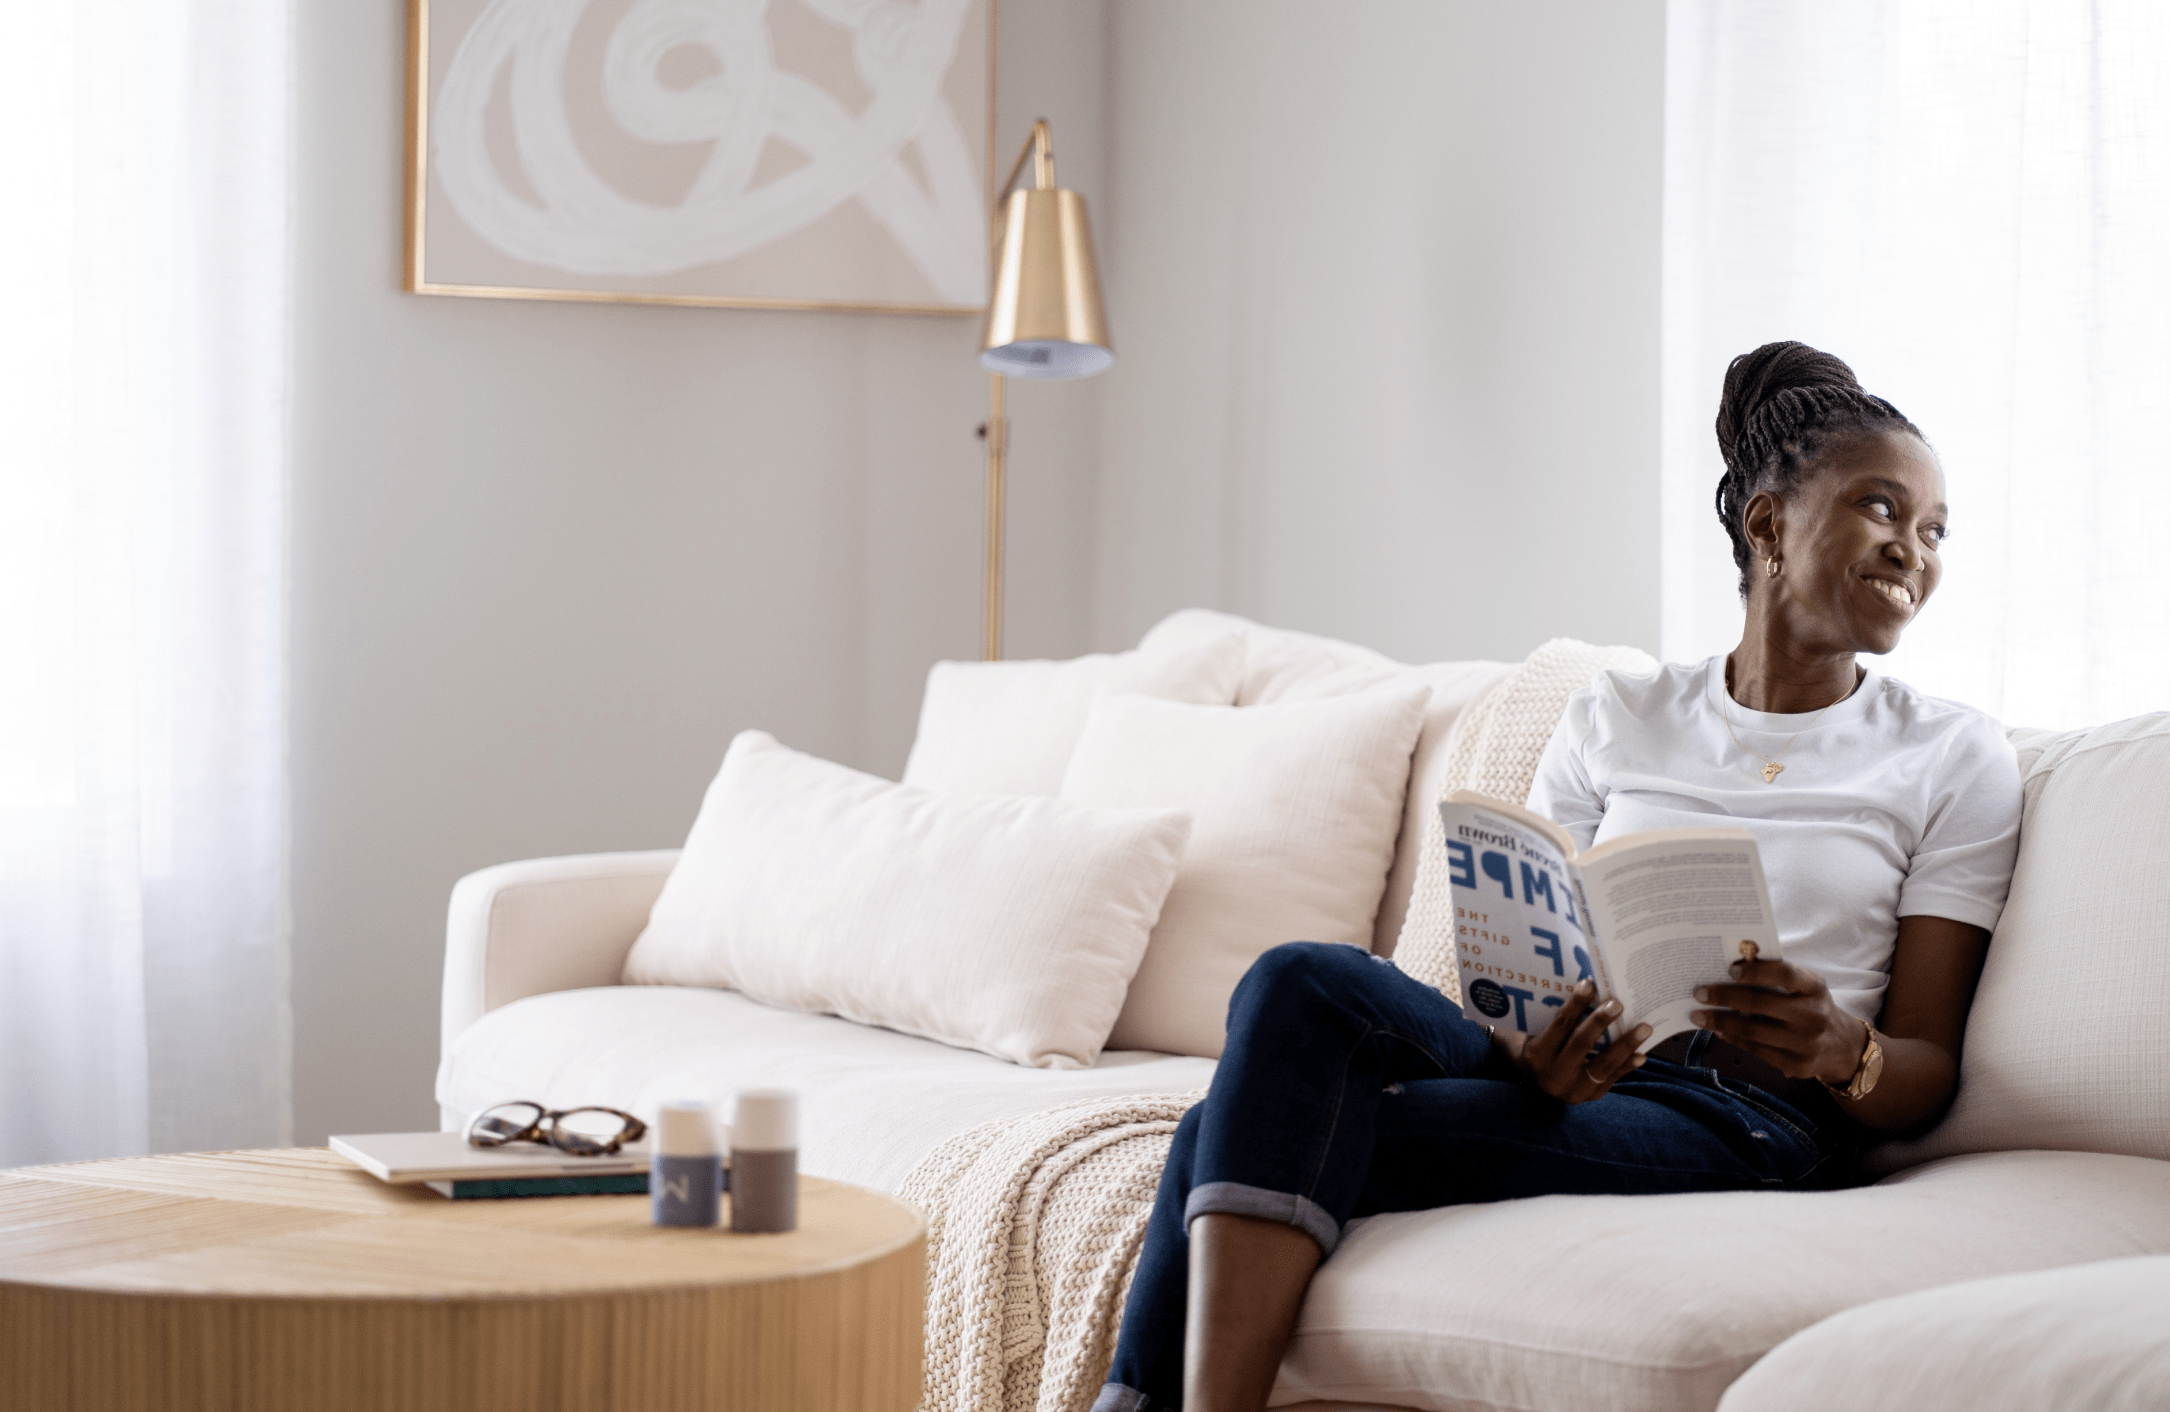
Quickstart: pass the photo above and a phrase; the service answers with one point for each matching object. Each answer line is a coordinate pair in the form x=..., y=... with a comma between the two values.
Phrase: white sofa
x=2055, y=1156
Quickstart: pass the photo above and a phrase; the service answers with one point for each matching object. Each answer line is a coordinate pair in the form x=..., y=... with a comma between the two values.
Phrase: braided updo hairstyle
x=1784, y=405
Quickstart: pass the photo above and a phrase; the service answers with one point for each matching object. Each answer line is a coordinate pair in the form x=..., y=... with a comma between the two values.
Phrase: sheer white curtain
x=1968, y=200
x=143, y=358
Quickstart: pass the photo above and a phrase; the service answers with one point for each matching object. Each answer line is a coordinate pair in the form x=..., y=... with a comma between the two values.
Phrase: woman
x=1888, y=822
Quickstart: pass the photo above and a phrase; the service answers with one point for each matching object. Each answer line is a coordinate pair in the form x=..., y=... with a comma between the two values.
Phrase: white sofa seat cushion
x=872, y=1102
x=1658, y=1302
x=2095, y=1336
x=1007, y=924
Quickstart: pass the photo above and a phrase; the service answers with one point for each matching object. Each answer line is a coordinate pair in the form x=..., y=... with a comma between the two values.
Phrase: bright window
x=143, y=373
x=1969, y=201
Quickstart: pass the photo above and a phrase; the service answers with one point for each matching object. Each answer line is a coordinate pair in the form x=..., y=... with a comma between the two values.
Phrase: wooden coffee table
x=293, y=1282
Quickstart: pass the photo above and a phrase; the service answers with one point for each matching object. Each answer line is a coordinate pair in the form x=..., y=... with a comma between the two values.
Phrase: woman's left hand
x=1785, y=1016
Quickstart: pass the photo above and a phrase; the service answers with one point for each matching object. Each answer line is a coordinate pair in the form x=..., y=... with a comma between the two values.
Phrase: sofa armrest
x=545, y=924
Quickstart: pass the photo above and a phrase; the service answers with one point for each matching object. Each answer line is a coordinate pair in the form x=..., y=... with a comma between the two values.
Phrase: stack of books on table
x=448, y=1165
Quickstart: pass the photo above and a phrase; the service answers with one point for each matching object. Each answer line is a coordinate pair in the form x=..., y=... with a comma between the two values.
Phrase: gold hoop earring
x=1770, y=567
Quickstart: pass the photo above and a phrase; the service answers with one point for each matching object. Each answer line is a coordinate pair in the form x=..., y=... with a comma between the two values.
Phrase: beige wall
x=1384, y=283
x=548, y=558
x=1385, y=280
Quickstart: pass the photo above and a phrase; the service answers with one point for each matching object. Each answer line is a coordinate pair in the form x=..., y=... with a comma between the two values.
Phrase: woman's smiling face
x=1857, y=545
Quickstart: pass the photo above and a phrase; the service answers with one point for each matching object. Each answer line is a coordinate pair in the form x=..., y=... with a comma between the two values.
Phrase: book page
x=1518, y=931
x=1673, y=907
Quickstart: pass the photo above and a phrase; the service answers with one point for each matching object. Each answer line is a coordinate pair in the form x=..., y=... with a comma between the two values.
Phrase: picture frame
x=825, y=156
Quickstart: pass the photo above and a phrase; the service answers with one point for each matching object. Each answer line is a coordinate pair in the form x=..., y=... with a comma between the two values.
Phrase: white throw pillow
x=2064, y=1046
x=1009, y=727
x=1281, y=665
x=1003, y=924
x=1295, y=809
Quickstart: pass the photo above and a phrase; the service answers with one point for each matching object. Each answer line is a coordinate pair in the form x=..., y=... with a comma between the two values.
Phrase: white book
x=404, y=1158
x=1648, y=917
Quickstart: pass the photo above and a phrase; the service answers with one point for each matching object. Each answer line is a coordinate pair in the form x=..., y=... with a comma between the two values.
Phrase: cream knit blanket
x=1033, y=1228
x=1034, y=1224
x=1494, y=751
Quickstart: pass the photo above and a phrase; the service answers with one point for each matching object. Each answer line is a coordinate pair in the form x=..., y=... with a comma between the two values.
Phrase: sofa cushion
x=1658, y=1302
x=1277, y=662
x=1294, y=810
x=1007, y=924
x=2062, y=1046
x=1279, y=665
x=872, y=1102
x=2094, y=1336
x=1009, y=727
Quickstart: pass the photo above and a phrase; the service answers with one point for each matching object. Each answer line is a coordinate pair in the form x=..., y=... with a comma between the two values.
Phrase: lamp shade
x=1046, y=320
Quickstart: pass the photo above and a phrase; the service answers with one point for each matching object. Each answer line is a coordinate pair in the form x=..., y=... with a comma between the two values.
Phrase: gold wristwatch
x=1865, y=1076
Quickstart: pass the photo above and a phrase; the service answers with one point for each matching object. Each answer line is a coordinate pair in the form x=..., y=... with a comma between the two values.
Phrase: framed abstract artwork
x=793, y=154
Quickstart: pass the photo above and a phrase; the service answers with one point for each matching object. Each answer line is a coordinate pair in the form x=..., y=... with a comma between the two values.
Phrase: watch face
x=1872, y=1068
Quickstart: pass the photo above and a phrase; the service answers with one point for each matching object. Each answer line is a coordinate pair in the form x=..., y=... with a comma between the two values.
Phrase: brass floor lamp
x=1044, y=319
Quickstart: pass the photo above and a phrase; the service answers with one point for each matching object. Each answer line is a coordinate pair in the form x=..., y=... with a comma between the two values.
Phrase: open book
x=1649, y=917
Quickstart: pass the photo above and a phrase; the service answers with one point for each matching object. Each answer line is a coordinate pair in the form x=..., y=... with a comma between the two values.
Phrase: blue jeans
x=1348, y=1089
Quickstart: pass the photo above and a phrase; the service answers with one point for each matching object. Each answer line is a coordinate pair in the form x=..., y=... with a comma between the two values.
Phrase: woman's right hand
x=1561, y=1061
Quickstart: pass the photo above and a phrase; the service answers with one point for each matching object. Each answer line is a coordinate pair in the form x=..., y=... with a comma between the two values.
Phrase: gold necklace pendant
x=1771, y=767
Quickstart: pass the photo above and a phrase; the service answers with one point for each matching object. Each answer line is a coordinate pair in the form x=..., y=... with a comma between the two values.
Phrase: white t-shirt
x=1891, y=804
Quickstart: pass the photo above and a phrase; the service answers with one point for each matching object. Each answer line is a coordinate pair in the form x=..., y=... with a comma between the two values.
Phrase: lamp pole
x=997, y=432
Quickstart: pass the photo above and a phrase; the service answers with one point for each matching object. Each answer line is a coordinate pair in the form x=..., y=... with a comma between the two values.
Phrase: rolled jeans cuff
x=1236, y=1199
x=1114, y=1397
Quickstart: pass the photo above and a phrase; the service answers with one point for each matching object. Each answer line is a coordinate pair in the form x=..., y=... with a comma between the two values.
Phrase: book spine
x=622, y=1184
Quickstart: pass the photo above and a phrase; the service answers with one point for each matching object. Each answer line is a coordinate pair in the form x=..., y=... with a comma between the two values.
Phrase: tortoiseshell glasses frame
x=583, y=1132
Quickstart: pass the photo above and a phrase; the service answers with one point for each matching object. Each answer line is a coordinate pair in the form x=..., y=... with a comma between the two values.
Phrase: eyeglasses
x=583, y=1132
